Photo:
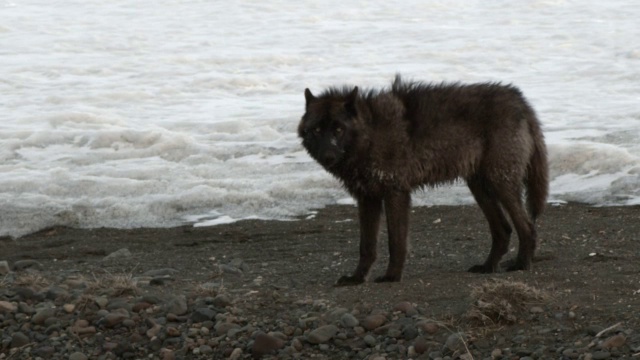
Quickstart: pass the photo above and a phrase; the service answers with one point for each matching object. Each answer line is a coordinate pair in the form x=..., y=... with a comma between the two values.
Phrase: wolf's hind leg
x=397, y=206
x=498, y=224
x=369, y=210
x=511, y=200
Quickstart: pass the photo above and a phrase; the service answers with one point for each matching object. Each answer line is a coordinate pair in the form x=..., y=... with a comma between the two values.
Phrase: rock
x=221, y=301
x=600, y=355
x=161, y=272
x=41, y=316
x=496, y=353
x=223, y=327
x=102, y=301
x=4, y=267
x=118, y=255
x=536, y=310
x=236, y=354
x=348, y=321
x=455, y=342
x=77, y=356
x=406, y=307
x=114, y=318
x=420, y=345
x=167, y=354
x=68, y=308
x=7, y=307
x=372, y=322
x=228, y=269
x=19, y=339
x=177, y=305
x=370, y=340
x=21, y=265
x=428, y=327
x=265, y=344
x=335, y=314
x=202, y=315
x=322, y=334
x=614, y=341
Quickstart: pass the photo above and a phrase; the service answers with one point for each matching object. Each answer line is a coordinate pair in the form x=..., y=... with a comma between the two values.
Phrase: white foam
x=146, y=115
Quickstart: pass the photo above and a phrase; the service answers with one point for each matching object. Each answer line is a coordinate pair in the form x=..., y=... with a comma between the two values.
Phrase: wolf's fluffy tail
x=537, y=179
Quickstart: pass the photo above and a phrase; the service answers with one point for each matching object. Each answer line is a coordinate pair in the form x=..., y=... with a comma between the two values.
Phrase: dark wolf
x=383, y=144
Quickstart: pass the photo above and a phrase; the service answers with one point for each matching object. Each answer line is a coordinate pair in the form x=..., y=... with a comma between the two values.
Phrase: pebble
x=4, y=267
x=455, y=342
x=265, y=344
x=406, y=307
x=7, y=307
x=600, y=355
x=21, y=265
x=614, y=341
x=77, y=356
x=236, y=354
x=322, y=334
x=372, y=322
x=370, y=340
x=347, y=320
x=19, y=339
x=118, y=255
x=41, y=316
x=177, y=305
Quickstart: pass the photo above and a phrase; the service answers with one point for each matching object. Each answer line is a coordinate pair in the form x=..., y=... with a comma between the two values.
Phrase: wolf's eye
x=338, y=131
x=317, y=130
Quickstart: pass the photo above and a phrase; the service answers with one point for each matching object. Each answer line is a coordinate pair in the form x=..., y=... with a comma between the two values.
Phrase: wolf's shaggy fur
x=384, y=144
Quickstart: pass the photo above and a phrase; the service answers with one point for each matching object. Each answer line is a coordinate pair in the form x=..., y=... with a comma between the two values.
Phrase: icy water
x=145, y=113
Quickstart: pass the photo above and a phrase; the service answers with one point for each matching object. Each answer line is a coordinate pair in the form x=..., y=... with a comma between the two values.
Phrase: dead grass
x=118, y=284
x=500, y=302
x=31, y=279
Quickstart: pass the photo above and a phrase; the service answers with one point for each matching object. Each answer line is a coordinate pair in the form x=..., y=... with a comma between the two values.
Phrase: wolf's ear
x=350, y=103
x=308, y=96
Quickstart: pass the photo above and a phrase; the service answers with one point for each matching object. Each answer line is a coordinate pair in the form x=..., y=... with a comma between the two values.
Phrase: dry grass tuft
x=118, y=284
x=32, y=279
x=503, y=302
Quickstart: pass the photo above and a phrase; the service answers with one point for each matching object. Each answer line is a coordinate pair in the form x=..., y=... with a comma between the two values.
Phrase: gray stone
x=77, y=356
x=455, y=342
x=21, y=265
x=322, y=334
x=373, y=322
x=600, y=355
x=202, y=315
x=221, y=301
x=370, y=340
x=4, y=267
x=42, y=315
x=223, y=327
x=348, y=320
x=177, y=305
x=19, y=339
x=265, y=344
x=161, y=272
x=118, y=255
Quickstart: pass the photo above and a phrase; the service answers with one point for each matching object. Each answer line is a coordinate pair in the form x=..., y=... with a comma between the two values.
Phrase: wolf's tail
x=537, y=178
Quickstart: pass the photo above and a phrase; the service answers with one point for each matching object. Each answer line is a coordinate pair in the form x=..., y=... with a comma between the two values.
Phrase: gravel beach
x=264, y=289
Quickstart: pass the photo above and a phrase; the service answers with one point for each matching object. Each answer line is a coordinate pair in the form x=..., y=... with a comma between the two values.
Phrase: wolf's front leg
x=397, y=206
x=369, y=210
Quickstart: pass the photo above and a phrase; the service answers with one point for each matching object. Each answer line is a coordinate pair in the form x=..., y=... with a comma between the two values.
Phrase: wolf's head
x=327, y=127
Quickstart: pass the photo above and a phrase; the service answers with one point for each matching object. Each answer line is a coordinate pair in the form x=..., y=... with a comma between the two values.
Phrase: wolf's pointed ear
x=308, y=96
x=350, y=103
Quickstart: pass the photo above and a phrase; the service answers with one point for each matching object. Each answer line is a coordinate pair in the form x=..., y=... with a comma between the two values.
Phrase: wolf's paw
x=519, y=265
x=388, y=278
x=349, y=281
x=482, y=269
